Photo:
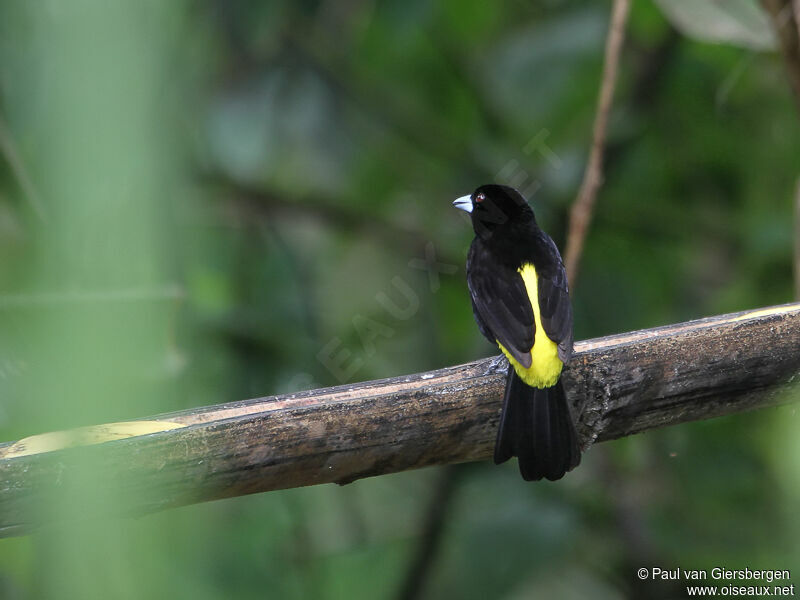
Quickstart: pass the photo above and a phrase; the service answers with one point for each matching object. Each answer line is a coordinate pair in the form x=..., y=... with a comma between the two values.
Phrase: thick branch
x=619, y=385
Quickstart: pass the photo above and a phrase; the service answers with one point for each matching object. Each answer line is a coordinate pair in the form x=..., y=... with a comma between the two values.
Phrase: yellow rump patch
x=85, y=436
x=545, y=366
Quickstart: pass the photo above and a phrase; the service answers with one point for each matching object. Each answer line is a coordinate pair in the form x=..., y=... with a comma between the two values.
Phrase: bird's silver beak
x=464, y=203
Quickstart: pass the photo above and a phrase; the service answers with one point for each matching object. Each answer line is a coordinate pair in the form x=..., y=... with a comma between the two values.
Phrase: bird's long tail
x=537, y=428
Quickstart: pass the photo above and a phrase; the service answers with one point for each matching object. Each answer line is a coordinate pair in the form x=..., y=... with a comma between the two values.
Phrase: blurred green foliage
x=280, y=165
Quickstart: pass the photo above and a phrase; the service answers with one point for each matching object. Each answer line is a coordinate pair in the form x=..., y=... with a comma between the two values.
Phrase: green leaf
x=735, y=22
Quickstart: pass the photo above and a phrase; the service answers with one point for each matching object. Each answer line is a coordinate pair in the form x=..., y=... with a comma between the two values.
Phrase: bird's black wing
x=555, y=308
x=500, y=303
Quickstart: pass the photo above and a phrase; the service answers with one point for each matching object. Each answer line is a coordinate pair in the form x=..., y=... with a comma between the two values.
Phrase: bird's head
x=494, y=206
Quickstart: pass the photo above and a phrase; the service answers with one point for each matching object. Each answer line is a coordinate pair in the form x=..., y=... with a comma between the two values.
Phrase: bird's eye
x=480, y=198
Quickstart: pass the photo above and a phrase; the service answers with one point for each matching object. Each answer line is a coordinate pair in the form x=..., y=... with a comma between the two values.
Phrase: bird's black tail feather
x=537, y=428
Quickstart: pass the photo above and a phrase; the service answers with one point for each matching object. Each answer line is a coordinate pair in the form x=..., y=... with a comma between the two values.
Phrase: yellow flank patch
x=545, y=366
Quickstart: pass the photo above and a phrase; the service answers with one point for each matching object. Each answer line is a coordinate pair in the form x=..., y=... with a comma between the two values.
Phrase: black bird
x=520, y=299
